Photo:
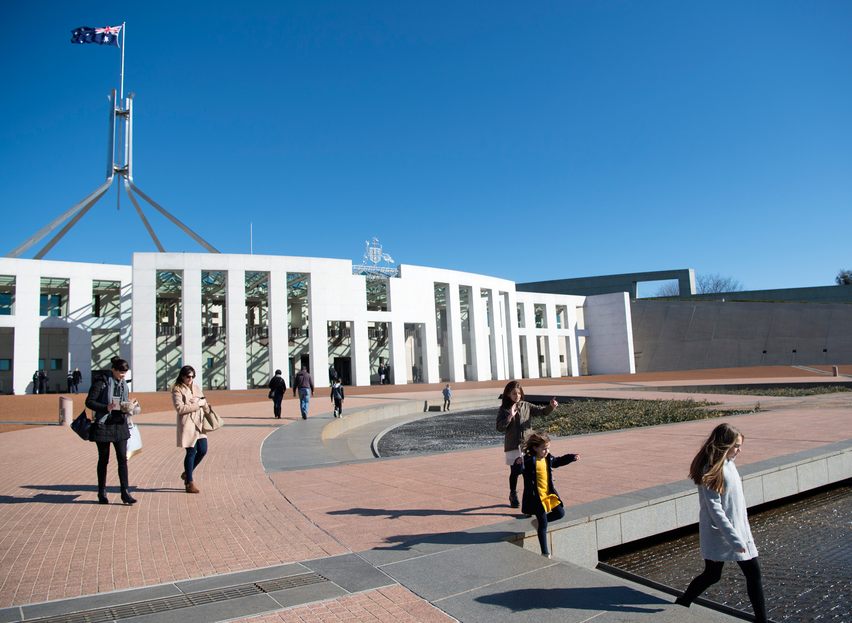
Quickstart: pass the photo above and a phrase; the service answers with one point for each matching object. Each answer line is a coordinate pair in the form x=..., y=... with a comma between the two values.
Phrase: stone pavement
x=406, y=539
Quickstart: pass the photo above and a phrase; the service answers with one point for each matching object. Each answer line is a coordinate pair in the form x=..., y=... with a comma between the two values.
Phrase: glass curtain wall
x=168, y=327
x=214, y=332
x=257, y=329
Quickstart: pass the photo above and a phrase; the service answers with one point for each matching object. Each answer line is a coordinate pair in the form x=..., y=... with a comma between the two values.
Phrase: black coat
x=278, y=385
x=115, y=426
x=531, y=503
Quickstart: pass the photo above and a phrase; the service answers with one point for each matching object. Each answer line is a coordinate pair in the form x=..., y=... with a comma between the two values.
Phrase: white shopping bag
x=134, y=444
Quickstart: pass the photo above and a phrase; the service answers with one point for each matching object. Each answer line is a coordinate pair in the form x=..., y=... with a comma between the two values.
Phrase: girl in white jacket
x=723, y=528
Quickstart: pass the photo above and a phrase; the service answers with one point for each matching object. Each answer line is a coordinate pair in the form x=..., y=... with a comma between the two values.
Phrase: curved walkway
x=56, y=543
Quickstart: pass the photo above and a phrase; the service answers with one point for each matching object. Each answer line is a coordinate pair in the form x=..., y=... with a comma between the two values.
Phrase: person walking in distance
x=304, y=384
x=77, y=379
x=513, y=419
x=277, y=386
x=723, y=530
x=337, y=398
x=447, y=397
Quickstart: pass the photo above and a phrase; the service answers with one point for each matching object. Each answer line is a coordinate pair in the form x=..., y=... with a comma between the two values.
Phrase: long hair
x=538, y=438
x=184, y=371
x=706, y=467
x=507, y=402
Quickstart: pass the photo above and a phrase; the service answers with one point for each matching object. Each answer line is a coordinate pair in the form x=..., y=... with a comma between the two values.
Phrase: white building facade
x=238, y=318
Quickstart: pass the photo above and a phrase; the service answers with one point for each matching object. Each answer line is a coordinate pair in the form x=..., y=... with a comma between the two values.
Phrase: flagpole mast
x=123, y=31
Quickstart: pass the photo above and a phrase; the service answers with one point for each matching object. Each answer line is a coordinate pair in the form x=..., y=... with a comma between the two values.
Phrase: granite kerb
x=593, y=526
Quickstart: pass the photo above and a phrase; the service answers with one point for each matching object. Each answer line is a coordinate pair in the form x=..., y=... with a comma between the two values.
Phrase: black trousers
x=713, y=573
x=103, y=461
x=556, y=513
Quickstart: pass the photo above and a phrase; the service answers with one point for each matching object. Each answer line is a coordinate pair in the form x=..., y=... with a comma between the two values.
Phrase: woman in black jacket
x=108, y=398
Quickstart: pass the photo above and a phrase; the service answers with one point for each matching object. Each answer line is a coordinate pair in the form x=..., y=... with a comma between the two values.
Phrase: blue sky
x=523, y=140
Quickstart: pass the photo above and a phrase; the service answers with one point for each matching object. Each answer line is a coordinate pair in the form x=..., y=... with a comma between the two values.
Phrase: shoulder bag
x=211, y=420
x=81, y=426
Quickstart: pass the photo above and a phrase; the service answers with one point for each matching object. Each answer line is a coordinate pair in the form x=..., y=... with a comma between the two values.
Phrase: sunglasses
x=190, y=376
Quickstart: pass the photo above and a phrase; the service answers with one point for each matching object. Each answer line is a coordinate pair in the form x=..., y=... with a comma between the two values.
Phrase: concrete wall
x=611, y=284
x=694, y=335
x=814, y=294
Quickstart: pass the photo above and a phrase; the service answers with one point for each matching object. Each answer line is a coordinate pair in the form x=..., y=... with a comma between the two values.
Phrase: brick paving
x=56, y=542
x=386, y=605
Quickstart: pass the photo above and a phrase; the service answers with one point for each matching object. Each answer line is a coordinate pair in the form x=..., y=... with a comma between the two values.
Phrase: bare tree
x=670, y=288
x=844, y=278
x=704, y=284
x=711, y=284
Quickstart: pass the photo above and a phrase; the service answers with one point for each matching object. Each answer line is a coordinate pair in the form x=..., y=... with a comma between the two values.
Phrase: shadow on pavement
x=612, y=599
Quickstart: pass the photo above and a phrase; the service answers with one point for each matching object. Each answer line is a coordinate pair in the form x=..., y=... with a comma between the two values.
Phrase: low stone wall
x=588, y=528
x=370, y=415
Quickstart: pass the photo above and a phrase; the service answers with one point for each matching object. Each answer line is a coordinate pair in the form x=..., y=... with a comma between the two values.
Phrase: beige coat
x=189, y=416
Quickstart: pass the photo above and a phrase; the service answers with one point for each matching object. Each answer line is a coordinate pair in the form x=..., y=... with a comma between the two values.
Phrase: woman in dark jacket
x=108, y=398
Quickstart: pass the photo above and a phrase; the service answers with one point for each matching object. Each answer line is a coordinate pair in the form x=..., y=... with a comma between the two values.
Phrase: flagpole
x=123, y=30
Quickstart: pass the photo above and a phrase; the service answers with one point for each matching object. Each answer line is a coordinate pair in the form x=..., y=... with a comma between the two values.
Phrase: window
x=50, y=305
x=210, y=362
x=7, y=295
x=56, y=364
x=41, y=364
x=5, y=364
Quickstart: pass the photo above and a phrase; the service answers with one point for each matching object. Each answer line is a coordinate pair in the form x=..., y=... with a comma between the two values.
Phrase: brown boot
x=191, y=488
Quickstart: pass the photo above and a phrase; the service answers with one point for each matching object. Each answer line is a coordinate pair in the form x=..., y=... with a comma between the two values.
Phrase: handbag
x=134, y=444
x=211, y=421
x=271, y=394
x=82, y=425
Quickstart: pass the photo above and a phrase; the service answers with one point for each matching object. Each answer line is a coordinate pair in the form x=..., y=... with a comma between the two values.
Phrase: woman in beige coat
x=190, y=405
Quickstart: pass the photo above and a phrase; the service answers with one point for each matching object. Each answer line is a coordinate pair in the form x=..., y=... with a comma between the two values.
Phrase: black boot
x=681, y=601
x=125, y=497
x=102, y=498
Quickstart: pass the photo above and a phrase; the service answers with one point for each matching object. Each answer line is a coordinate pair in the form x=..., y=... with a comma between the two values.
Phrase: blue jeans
x=304, y=401
x=193, y=457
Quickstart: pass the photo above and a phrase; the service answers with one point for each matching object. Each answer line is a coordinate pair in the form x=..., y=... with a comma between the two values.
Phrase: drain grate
x=167, y=604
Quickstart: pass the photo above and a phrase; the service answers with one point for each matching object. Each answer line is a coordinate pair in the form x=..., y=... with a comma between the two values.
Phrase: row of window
x=55, y=364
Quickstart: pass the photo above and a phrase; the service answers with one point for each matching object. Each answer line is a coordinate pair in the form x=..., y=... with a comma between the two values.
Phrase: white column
x=431, y=373
x=532, y=341
x=27, y=324
x=552, y=342
x=235, y=332
x=125, y=348
x=317, y=335
x=79, y=323
x=455, y=342
x=190, y=299
x=278, y=312
x=497, y=334
x=479, y=336
x=512, y=341
x=143, y=362
x=397, y=352
x=360, y=353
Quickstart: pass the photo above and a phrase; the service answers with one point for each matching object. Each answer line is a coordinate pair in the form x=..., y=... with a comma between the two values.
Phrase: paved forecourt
x=402, y=539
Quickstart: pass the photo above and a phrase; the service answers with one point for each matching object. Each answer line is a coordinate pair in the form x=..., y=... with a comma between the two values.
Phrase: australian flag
x=101, y=36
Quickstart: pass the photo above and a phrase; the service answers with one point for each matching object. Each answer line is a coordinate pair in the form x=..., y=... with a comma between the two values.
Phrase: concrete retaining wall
x=588, y=528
